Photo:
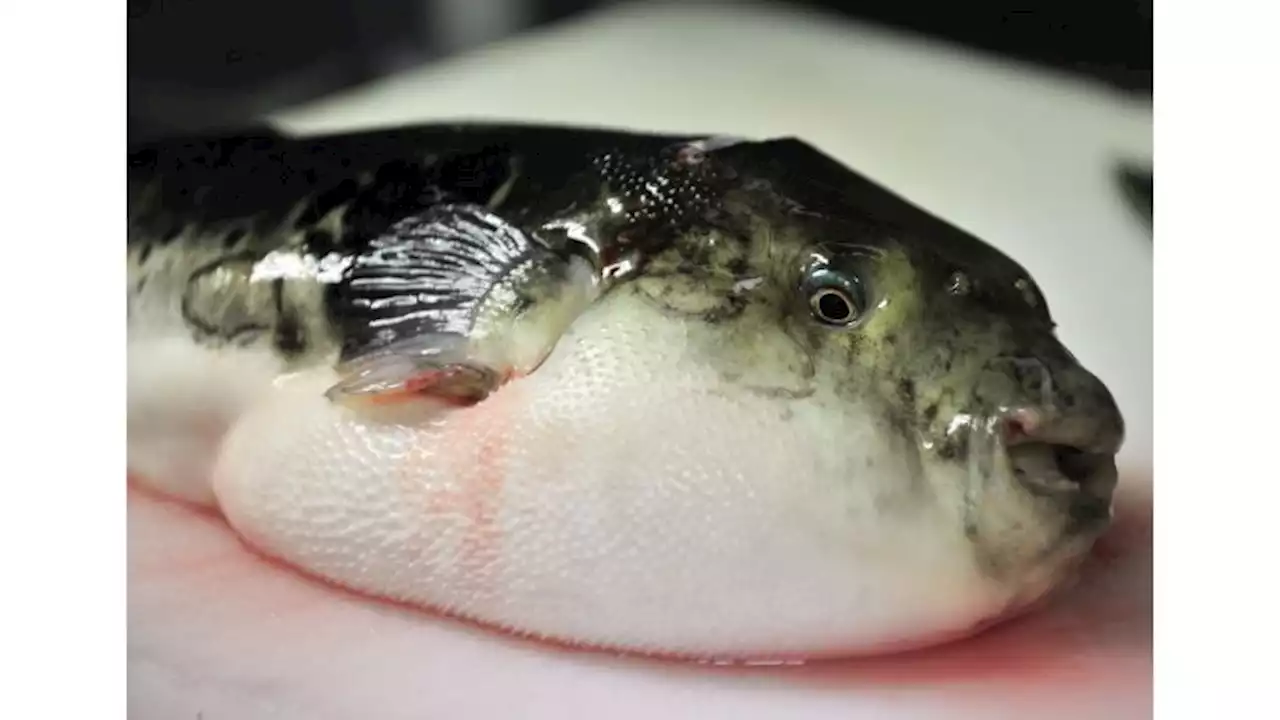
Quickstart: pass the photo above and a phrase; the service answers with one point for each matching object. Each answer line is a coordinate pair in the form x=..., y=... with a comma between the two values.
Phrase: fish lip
x=1084, y=470
x=1085, y=489
x=1083, y=503
x=1072, y=457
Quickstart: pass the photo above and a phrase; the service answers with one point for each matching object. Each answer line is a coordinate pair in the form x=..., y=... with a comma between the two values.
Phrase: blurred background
x=202, y=64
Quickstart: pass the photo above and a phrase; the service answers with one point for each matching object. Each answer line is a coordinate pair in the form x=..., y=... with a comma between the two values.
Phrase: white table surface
x=1020, y=158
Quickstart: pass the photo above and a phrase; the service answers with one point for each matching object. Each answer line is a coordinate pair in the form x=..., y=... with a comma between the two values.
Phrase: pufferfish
x=691, y=396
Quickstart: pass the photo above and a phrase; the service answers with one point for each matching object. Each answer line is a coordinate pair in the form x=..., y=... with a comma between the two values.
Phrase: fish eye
x=835, y=299
x=832, y=305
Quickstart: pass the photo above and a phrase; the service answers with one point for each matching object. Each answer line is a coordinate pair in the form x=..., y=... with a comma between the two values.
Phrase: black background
x=198, y=64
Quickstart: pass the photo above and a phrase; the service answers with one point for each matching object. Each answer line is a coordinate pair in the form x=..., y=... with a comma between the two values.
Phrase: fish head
x=921, y=362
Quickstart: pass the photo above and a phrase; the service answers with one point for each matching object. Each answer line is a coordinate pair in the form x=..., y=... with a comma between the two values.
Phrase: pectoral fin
x=443, y=367
x=451, y=304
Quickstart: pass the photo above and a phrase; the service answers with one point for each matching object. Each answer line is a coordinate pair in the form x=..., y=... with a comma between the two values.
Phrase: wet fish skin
x=233, y=206
x=946, y=404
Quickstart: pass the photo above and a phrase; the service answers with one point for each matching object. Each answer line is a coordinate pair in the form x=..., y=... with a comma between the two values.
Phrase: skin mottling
x=208, y=284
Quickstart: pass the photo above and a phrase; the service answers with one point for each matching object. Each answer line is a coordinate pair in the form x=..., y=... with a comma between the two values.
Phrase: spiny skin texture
x=805, y=417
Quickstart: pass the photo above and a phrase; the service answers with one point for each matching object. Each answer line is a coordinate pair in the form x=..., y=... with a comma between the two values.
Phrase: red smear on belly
x=475, y=445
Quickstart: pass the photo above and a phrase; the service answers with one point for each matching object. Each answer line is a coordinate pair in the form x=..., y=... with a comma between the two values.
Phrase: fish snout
x=1062, y=442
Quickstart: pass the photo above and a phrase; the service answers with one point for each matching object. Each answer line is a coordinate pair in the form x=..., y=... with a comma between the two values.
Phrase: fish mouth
x=1079, y=477
x=1069, y=463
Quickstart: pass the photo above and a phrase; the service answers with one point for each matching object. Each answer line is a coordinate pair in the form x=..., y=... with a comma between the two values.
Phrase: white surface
x=1022, y=160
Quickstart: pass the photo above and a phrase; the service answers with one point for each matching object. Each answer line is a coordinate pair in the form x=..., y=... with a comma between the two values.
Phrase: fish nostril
x=1021, y=425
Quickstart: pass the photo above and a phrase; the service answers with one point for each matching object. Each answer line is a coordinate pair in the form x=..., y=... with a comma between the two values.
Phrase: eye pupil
x=836, y=298
x=833, y=306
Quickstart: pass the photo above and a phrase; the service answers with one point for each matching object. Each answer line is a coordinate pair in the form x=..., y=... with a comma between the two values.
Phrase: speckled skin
x=205, y=212
x=951, y=334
